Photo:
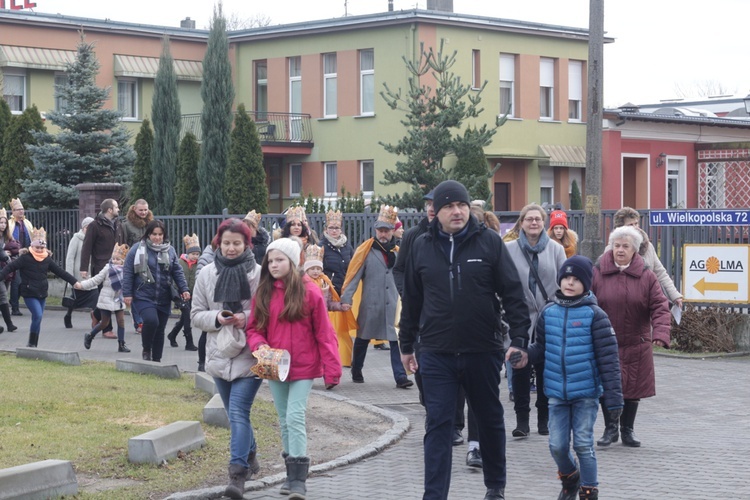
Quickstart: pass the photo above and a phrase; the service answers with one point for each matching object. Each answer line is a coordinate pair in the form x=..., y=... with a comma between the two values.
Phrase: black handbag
x=69, y=299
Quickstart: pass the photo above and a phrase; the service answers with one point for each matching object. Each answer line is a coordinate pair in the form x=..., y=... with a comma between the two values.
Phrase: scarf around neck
x=534, y=251
x=141, y=259
x=39, y=256
x=336, y=242
x=232, y=285
x=389, y=249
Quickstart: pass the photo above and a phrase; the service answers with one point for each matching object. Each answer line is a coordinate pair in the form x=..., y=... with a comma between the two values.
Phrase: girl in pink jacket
x=289, y=312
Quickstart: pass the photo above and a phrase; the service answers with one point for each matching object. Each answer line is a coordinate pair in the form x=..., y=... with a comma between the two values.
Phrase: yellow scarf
x=39, y=255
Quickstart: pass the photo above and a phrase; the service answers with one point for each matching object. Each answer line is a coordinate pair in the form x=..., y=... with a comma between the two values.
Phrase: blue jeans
x=290, y=400
x=479, y=376
x=576, y=416
x=36, y=307
x=359, y=353
x=238, y=396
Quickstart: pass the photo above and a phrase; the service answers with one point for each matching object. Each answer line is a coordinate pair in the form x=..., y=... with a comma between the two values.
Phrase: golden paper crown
x=15, y=204
x=296, y=213
x=314, y=253
x=192, y=243
x=3, y=214
x=38, y=234
x=120, y=251
x=334, y=217
x=389, y=215
x=253, y=218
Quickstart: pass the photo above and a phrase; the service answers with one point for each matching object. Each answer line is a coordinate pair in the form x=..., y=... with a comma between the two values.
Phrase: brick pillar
x=91, y=195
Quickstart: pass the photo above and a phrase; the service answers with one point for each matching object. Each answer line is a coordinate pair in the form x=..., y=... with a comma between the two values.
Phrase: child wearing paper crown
x=577, y=343
x=188, y=261
x=110, y=297
x=289, y=312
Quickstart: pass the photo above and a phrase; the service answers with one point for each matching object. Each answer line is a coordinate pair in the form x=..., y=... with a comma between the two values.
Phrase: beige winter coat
x=203, y=316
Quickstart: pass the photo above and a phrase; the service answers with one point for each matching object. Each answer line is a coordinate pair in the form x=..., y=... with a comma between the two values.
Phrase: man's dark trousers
x=479, y=375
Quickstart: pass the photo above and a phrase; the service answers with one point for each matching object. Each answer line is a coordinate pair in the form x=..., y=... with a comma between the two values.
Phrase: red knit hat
x=558, y=218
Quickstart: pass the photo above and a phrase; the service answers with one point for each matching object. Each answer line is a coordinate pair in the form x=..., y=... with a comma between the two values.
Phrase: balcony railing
x=273, y=128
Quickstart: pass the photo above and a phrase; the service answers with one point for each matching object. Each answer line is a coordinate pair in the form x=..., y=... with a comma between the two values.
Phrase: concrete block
x=741, y=334
x=66, y=357
x=215, y=414
x=38, y=480
x=205, y=383
x=166, y=442
x=147, y=367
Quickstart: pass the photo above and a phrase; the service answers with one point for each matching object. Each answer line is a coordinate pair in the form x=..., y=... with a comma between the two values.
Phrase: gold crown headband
x=334, y=218
x=253, y=218
x=314, y=252
x=388, y=214
x=296, y=213
x=39, y=234
x=15, y=204
x=120, y=251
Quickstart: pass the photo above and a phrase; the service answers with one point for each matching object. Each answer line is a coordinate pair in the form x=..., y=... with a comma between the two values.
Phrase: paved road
x=695, y=432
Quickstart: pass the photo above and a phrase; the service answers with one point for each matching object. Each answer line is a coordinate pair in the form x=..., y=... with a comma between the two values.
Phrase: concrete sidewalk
x=695, y=432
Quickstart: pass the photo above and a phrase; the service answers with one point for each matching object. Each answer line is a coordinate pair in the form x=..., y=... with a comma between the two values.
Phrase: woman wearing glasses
x=537, y=259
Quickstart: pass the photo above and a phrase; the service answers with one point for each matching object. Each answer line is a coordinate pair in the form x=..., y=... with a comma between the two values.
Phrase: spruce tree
x=5, y=117
x=17, y=162
x=144, y=143
x=186, y=199
x=91, y=146
x=576, y=203
x=471, y=168
x=217, y=92
x=165, y=112
x=432, y=115
x=245, y=185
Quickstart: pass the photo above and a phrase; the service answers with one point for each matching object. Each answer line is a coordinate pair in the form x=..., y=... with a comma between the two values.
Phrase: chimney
x=390, y=5
x=187, y=23
x=441, y=5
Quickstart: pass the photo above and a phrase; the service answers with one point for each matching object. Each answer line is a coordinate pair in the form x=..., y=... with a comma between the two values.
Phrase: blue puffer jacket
x=158, y=293
x=580, y=351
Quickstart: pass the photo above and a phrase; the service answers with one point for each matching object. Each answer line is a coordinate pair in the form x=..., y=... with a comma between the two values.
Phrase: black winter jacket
x=451, y=307
x=404, y=249
x=260, y=243
x=99, y=242
x=336, y=262
x=34, y=275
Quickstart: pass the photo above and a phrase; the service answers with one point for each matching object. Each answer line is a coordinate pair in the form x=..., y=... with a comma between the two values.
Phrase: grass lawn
x=87, y=413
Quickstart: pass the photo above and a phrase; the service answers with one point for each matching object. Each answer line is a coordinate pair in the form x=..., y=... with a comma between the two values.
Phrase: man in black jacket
x=453, y=276
x=407, y=240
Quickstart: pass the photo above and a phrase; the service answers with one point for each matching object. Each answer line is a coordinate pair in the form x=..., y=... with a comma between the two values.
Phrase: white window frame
x=132, y=83
x=261, y=91
x=677, y=172
x=295, y=177
x=330, y=85
x=326, y=179
x=546, y=88
x=24, y=94
x=61, y=79
x=508, y=83
x=575, y=91
x=295, y=103
x=366, y=193
x=366, y=76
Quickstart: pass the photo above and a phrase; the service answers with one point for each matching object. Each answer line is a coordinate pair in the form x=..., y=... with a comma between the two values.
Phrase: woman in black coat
x=34, y=265
x=338, y=251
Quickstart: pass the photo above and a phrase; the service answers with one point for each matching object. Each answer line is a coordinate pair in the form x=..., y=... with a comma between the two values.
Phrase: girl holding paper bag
x=289, y=312
x=221, y=299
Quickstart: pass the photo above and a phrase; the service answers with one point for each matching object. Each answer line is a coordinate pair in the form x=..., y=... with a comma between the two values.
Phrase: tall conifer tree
x=16, y=161
x=186, y=199
x=144, y=143
x=245, y=185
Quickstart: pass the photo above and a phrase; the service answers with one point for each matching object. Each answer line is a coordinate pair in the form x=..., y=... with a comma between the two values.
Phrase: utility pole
x=592, y=245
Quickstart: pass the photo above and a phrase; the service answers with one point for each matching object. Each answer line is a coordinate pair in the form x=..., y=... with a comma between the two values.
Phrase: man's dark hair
x=107, y=204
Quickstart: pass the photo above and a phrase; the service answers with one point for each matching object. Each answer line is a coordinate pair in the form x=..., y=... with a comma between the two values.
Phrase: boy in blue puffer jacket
x=576, y=341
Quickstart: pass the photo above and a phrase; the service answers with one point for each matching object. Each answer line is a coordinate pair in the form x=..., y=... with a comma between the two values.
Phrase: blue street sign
x=699, y=218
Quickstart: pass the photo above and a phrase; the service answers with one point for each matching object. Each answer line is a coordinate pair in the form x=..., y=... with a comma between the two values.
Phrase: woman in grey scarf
x=150, y=269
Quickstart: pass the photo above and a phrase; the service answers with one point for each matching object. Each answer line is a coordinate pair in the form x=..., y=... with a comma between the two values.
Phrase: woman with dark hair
x=150, y=268
x=228, y=284
x=296, y=225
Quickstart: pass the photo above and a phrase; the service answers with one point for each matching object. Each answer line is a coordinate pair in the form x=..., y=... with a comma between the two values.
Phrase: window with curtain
x=331, y=184
x=14, y=92
x=329, y=85
x=295, y=179
x=127, y=98
x=261, y=90
x=60, y=81
x=507, y=84
x=367, y=176
x=546, y=88
x=367, y=81
x=575, y=90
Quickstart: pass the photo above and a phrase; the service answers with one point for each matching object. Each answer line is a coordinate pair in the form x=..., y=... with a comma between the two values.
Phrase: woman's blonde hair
x=294, y=296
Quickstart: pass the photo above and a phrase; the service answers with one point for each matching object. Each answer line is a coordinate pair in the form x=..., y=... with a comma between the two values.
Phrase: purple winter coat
x=639, y=313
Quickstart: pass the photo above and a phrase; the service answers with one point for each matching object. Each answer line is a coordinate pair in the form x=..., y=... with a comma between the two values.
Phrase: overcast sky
x=659, y=44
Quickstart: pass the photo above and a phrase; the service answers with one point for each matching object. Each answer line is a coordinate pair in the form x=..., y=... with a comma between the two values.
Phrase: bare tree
x=236, y=22
x=703, y=88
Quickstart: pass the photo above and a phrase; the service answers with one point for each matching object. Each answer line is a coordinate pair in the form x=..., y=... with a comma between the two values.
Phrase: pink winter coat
x=311, y=341
x=635, y=304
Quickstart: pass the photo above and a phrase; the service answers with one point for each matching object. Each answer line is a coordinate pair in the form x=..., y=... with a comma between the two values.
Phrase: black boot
x=252, y=462
x=67, y=319
x=146, y=355
x=297, y=469
x=611, y=435
x=5, y=309
x=189, y=346
x=173, y=337
x=202, y=352
x=33, y=339
x=522, y=425
x=588, y=493
x=88, y=338
x=121, y=347
x=570, y=485
x=285, y=485
x=237, y=477
x=626, y=424
x=542, y=421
